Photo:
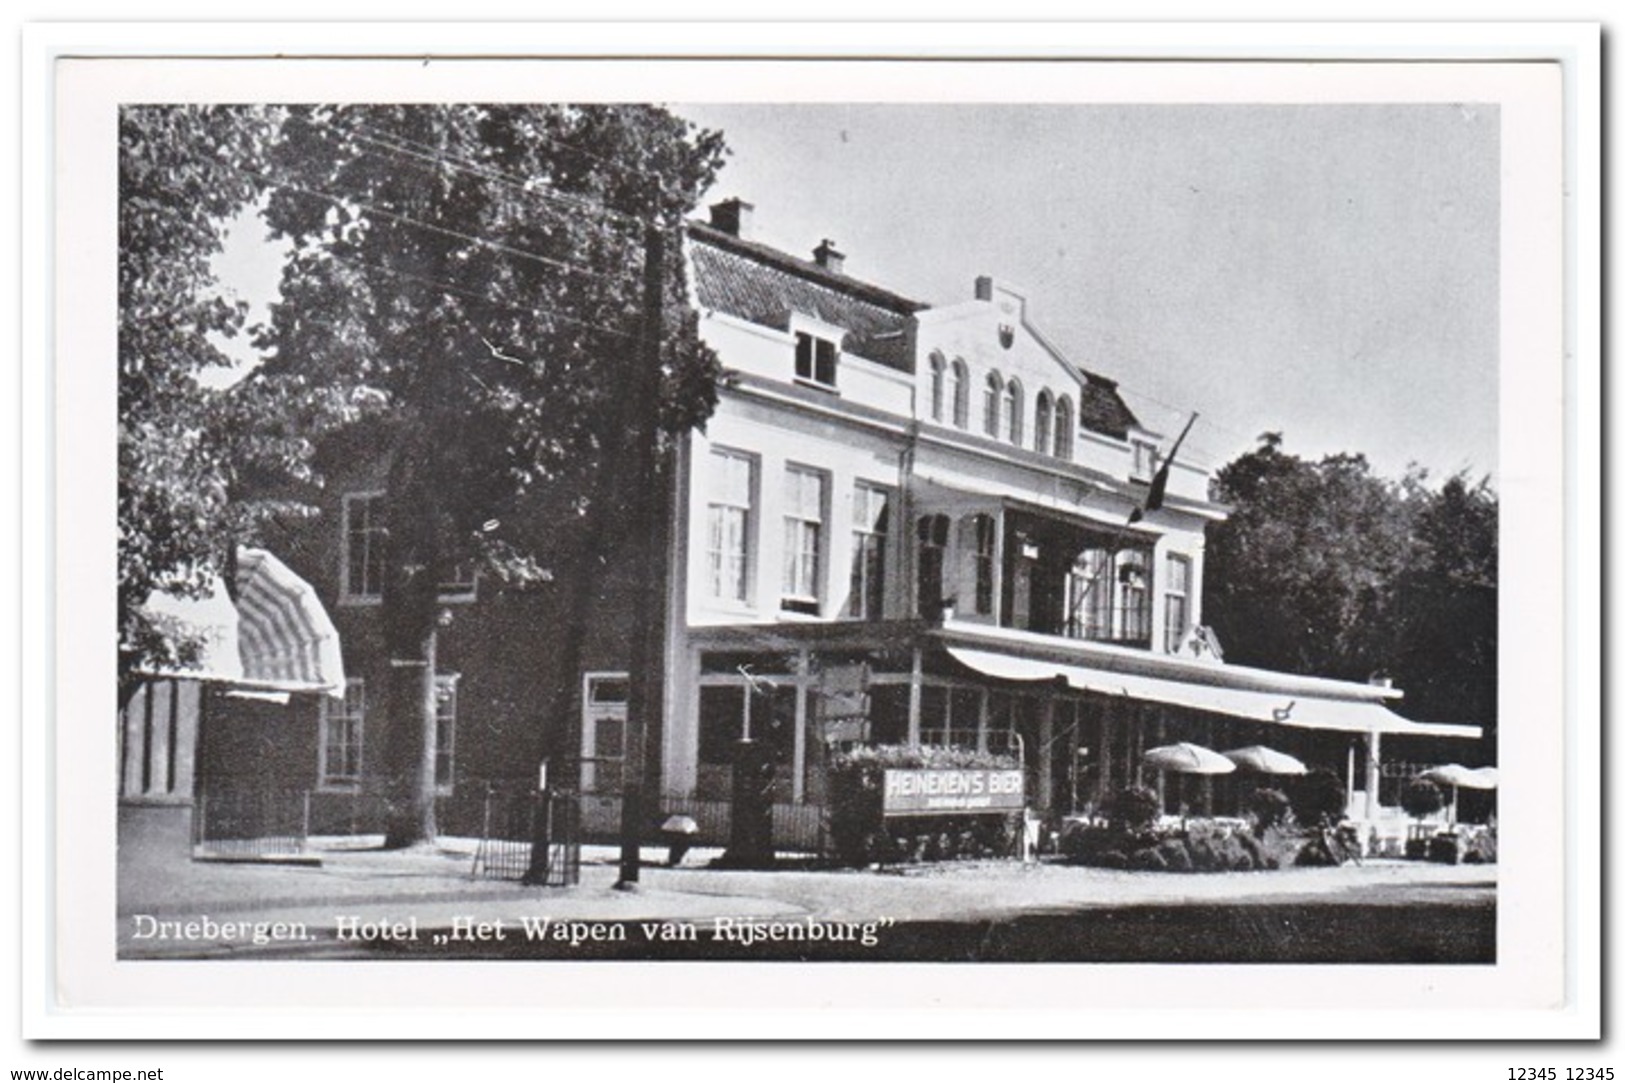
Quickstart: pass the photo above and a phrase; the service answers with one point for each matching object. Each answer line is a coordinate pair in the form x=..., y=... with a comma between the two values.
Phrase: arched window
x=937, y=367
x=1043, y=419
x=959, y=392
x=1063, y=428
x=1012, y=411
x=990, y=404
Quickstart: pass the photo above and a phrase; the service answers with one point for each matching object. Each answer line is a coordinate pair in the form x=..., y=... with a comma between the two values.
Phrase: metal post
x=643, y=701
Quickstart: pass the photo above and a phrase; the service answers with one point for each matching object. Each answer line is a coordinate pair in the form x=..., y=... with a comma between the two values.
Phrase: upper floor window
x=803, y=539
x=984, y=539
x=816, y=359
x=992, y=391
x=729, y=511
x=1145, y=459
x=1063, y=428
x=932, y=532
x=938, y=376
x=870, y=525
x=1012, y=411
x=362, y=560
x=343, y=725
x=959, y=392
x=1043, y=421
x=1108, y=597
x=362, y=564
x=1176, y=602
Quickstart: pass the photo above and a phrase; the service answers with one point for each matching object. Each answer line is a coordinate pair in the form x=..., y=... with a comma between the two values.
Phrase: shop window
x=888, y=714
x=766, y=709
x=343, y=727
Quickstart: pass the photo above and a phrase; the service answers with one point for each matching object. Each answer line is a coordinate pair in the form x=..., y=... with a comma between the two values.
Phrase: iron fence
x=514, y=824
x=249, y=823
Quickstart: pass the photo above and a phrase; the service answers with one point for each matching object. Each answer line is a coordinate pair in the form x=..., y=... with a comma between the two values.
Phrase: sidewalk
x=432, y=890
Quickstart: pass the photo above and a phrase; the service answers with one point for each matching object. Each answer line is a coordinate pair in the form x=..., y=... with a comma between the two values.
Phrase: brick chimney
x=984, y=287
x=827, y=256
x=732, y=216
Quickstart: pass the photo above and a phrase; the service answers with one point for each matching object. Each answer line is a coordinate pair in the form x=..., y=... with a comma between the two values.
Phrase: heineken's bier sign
x=928, y=790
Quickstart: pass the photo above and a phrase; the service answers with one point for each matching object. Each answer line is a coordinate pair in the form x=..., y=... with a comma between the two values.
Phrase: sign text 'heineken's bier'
x=923, y=791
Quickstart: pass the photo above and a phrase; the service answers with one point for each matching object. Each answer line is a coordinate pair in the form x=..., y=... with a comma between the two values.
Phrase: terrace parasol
x=1188, y=759
x=1266, y=761
x=1456, y=777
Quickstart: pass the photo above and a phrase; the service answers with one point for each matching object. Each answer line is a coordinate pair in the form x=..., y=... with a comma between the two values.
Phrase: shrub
x=860, y=833
x=1445, y=849
x=1319, y=799
x=1421, y=798
x=1132, y=810
x=1269, y=807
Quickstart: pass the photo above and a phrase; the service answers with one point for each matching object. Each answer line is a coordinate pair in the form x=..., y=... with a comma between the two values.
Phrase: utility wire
x=458, y=291
x=401, y=145
x=349, y=201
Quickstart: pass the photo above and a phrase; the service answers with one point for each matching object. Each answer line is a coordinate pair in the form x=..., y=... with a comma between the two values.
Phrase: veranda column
x=915, y=677
x=1373, y=773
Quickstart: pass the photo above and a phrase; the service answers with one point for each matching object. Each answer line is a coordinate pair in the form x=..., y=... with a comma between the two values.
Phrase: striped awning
x=276, y=637
x=285, y=637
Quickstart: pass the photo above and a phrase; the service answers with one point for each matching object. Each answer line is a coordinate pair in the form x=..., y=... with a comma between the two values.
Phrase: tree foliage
x=469, y=280
x=1325, y=568
x=179, y=447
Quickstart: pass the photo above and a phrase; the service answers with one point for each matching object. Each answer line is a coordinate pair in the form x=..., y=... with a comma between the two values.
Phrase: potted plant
x=1420, y=799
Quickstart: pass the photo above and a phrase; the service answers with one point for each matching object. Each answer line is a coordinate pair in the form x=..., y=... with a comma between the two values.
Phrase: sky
x=1329, y=272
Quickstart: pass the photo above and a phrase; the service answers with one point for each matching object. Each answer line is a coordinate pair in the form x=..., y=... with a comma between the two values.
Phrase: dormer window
x=1145, y=460
x=816, y=359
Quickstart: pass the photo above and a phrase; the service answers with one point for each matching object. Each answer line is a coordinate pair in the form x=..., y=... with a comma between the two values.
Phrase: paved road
x=361, y=904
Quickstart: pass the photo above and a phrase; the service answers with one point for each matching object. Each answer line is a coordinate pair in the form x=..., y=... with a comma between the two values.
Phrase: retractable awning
x=277, y=637
x=1279, y=708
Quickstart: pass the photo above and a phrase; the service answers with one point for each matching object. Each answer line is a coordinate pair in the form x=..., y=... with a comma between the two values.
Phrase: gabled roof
x=753, y=282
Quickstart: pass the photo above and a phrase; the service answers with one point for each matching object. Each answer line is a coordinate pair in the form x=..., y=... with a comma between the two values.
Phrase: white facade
x=925, y=524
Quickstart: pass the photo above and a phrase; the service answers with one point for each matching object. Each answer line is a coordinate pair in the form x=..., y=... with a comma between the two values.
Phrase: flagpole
x=1159, y=481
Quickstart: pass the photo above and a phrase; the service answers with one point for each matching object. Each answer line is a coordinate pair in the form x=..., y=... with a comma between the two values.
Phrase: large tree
x=1325, y=568
x=471, y=278
x=184, y=172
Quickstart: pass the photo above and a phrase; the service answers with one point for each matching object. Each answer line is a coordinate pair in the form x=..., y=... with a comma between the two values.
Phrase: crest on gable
x=1007, y=335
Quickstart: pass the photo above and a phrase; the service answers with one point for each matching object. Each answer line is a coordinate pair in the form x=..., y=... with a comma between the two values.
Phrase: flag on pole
x=1159, y=480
